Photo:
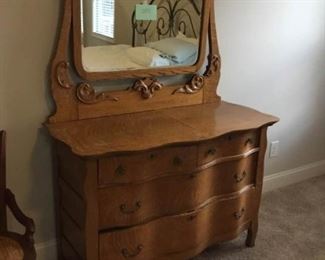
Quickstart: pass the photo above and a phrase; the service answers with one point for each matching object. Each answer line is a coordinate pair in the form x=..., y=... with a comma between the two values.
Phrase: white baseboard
x=47, y=250
x=285, y=178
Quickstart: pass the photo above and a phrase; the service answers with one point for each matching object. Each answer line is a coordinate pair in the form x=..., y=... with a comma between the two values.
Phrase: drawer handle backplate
x=239, y=214
x=211, y=152
x=127, y=254
x=239, y=177
x=120, y=170
x=249, y=141
x=124, y=209
x=177, y=161
x=152, y=156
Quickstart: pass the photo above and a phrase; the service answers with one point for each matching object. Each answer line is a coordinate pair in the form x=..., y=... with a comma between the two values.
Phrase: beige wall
x=27, y=32
x=273, y=60
x=273, y=55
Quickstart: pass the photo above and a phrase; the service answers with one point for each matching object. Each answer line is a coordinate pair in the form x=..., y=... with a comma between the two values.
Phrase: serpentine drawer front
x=228, y=145
x=146, y=165
x=221, y=219
x=136, y=203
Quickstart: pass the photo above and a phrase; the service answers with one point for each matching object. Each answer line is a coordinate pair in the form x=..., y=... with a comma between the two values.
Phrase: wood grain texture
x=147, y=130
x=214, y=219
x=172, y=194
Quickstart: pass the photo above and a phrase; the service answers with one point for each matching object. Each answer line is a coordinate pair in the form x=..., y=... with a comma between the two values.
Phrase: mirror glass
x=137, y=34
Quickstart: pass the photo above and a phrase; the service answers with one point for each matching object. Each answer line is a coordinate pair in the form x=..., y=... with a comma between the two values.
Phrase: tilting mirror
x=118, y=35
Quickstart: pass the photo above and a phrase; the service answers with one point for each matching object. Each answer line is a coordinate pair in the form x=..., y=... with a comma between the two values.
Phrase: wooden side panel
x=71, y=169
x=253, y=228
x=188, y=231
x=72, y=204
x=72, y=233
x=91, y=227
x=78, y=204
x=68, y=252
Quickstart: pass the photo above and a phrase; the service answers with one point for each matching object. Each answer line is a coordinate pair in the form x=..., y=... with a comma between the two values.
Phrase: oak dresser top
x=152, y=129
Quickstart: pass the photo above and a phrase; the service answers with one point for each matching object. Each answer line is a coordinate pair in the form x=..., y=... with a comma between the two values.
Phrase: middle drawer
x=131, y=204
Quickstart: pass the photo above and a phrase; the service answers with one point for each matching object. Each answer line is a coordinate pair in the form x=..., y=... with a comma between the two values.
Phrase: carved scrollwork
x=87, y=94
x=213, y=65
x=195, y=85
x=62, y=74
x=147, y=87
x=197, y=82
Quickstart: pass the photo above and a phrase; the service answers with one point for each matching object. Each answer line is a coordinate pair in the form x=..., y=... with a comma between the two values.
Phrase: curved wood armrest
x=27, y=222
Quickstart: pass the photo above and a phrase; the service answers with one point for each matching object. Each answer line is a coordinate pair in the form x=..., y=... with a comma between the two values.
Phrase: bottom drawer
x=173, y=236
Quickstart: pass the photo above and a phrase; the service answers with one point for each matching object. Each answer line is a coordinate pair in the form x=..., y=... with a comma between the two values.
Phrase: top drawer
x=146, y=165
x=228, y=145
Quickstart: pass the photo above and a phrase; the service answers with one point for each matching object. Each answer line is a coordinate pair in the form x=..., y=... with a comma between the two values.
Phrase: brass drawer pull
x=152, y=156
x=249, y=141
x=177, y=161
x=239, y=177
x=211, y=152
x=124, y=209
x=239, y=214
x=127, y=254
x=120, y=170
x=192, y=217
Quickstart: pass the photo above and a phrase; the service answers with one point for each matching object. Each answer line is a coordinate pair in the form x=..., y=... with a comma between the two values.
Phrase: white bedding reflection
x=164, y=53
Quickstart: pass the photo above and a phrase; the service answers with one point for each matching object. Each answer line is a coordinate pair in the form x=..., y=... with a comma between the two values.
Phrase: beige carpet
x=292, y=226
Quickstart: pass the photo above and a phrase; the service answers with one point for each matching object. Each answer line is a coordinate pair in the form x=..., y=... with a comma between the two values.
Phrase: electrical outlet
x=274, y=149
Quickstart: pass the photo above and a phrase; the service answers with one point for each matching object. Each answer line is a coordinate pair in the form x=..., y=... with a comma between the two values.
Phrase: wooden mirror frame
x=137, y=73
x=77, y=99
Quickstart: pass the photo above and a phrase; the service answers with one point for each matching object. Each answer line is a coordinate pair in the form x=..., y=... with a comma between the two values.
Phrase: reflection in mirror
x=137, y=34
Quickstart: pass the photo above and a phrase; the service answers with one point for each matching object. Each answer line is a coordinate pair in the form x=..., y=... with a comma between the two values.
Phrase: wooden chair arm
x=27, y=222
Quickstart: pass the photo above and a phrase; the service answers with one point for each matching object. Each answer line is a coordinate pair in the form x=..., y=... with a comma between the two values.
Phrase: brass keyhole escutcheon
x=120, y=170
x=177, y=161
x=238, y=215
x=125, y=210
x=128, y=254
x=211, y=152
x=240, y=177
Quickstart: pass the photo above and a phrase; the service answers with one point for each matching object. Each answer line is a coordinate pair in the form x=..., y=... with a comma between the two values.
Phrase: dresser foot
x=251, y=234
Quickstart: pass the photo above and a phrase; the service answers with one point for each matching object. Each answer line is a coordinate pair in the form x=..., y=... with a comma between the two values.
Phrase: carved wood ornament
x=62, y=74
x=79, y=100
x=147, y=87
x=87, y=94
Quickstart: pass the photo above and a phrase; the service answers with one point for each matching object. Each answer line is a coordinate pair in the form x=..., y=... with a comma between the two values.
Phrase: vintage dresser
x=154, y=171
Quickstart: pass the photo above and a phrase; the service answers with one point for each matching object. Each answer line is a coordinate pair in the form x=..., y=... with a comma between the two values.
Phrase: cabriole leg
x=251, y=235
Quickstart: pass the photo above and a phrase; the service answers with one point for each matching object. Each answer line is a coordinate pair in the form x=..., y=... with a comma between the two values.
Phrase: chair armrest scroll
x=27, y=222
